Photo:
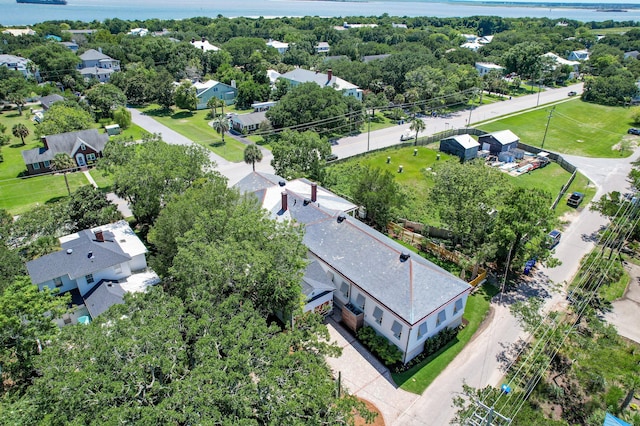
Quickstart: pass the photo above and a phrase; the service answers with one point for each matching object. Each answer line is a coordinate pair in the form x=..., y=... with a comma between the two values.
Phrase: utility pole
x=471, y=109
x=547, y=127
x=486, y=416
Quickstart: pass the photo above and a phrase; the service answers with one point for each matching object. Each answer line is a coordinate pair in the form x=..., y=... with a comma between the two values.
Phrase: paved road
x=625, y=315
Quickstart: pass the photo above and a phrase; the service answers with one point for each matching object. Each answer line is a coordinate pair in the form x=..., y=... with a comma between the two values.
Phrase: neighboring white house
x=579, y=55
x=18, y=63
x=140, y=32
x=299, y=76
x=108, y=260
x=486, y=67
x=575, y=65
x=403, y=296
x=322, y=47
x=278, y=45
x=204, y=45
x=246, y=123
x=96, y=64
x=472, y=45
x=17, y=32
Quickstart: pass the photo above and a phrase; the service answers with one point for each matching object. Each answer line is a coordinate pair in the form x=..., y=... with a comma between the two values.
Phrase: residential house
x=394, y=25
x=322, y=47
x=204, y=45
x=247, y=123
x=273, y=76
x=632, y=54
x=263, y=106
x=20, y=64
x=559, y=61
x=47, y=101
x=96, y=64
x=579, y=55
x=140, y=32
x=84, y=146
x=497, y=142
x=401, y=296
x=299, y=76
x=214, y=89
x=17, y=32
x=472, y=45
x=484, y=68
x=98, y=266
x=70, y=45
x=346, y=26
x=278, y=45
x=463, y=146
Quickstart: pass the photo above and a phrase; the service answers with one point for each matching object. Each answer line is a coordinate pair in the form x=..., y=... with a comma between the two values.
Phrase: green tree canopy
x=300, y=154
x=105, y=98
x=64, y=117
x=377, y=191
x=185, y=96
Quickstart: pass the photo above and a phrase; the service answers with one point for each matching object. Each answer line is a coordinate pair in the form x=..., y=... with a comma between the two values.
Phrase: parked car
x=575, y=199
x=553, y=238
x=634, y=131
x=572, y=93
x=331, y=157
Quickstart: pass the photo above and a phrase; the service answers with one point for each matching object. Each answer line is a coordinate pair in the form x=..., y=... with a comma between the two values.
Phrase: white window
x=58, y=281
x=344, y=289
x=360, y=300
x=89, y=278
x=82, y=147
x=422, y=330
x=442, y=316
x=457, y=307
x=377, y=314
x=46, y=163
x=91, y=157
x=36, y=166
x=397, y=330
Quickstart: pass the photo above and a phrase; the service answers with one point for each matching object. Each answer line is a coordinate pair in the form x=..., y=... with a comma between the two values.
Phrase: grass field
x=415, y=177
x=195, y=126
x=576, y=127
x=418, y=378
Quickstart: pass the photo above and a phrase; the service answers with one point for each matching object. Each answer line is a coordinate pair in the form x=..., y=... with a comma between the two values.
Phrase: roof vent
x=306, y=201
x=69, y=251
x=282, y=183
x=341, y=217
x=404, y=256
x=90, y=255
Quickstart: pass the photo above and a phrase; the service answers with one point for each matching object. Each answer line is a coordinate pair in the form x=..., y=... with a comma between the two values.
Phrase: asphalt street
x=482, y=362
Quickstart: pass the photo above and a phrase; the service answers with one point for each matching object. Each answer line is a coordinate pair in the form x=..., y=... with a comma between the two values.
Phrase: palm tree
x=417, y=125
x=221, y=124
x=214, y=103
x=252, y=154
x=63, y=162
x=20, y=131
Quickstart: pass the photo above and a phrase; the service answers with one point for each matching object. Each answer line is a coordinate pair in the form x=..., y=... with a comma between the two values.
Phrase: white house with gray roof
x=109, y=256
x=299, y=76
x=96, y=64
x=403, y=296
x=20, y=64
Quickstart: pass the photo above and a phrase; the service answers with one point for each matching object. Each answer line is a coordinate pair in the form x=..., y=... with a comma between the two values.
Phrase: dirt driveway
x=625, y=315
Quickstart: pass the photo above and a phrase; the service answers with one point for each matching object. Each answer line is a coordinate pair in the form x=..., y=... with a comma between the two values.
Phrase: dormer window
x=83, y=147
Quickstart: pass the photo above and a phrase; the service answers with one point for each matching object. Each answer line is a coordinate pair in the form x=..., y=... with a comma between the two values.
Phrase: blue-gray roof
x=47, y=101
x=412, y=289
x=67, y=143
x=74, y=259
x=93, y=55
x=104, y=295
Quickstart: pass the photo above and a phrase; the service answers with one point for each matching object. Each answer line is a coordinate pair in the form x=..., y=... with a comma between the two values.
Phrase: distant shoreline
x=598, y=7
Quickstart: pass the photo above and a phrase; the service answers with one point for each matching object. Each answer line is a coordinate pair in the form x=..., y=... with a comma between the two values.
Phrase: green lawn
x=576, y=127
x=134, y=131
x=103, y=182
x=418, y=378
x=195, y=126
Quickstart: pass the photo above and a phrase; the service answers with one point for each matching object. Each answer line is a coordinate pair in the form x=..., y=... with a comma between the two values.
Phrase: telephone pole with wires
x=544, y=138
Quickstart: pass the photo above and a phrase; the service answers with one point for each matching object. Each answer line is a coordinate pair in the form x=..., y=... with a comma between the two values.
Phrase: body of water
x=12, y=13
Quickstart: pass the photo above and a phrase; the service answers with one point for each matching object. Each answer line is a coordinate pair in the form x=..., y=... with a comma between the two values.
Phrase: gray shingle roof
x=47, y=101
x=91, y=71
x=74, y=260
x=250, y=118
x=315, y=279
x=104, y=295
x=254, y=182
x=93, y=55
x=67, y=143
x=411, y=289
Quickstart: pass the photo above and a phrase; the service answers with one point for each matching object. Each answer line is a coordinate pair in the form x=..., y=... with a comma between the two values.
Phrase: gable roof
x=93, y=55
x=67, y=143
x=315, y=280
x=249, y=119
x=304, y=76
x=503, y=137
x=412, y=289
x=104, y=295
x=466, y=141
x=81, y=255
x=47, y=101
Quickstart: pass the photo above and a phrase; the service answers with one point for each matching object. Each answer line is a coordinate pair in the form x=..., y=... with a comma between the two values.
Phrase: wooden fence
x=422, y=243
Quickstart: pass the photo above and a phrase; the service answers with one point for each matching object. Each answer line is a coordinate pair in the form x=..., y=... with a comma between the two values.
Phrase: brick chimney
x=99, y=236
x=203, y=39
x=314, y=192
x=329, y=75
x=284, y=201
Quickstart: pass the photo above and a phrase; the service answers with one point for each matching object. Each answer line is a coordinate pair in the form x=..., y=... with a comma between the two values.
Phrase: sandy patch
x=379, y=421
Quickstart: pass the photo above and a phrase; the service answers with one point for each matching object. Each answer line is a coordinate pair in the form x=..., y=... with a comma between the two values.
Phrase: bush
x=431, y=346
x=388, y=353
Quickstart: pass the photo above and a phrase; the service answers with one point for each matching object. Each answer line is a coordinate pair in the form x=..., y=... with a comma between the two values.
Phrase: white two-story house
x=299, y=76
x=403, y=296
